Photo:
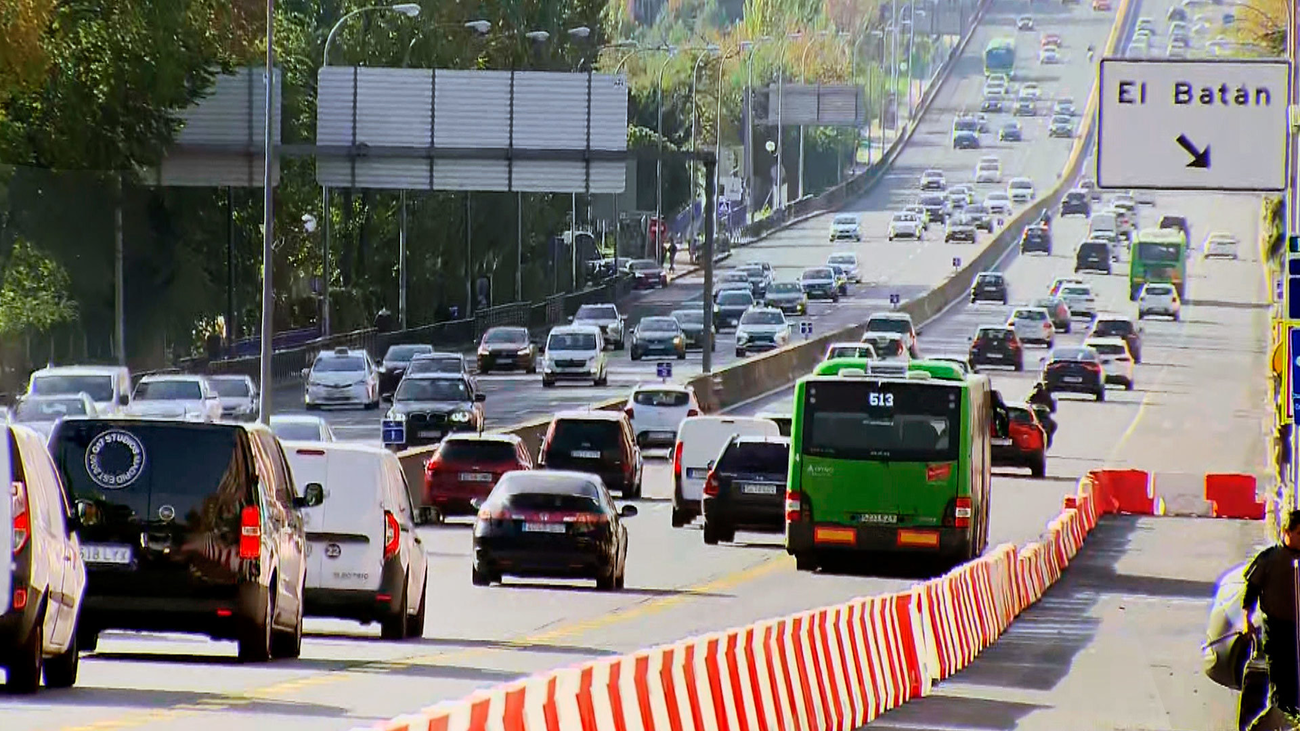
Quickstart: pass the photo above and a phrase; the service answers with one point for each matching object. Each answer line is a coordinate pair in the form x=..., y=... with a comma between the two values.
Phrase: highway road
x=905, y=268
x=1198, y=406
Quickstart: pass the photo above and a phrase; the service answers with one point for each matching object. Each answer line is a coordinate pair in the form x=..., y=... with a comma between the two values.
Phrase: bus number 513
x=881, y=399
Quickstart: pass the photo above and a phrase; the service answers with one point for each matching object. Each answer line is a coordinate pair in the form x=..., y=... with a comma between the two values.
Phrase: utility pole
x=710, y=221
x=264, y=389
x=401, y=264
x=119, y=271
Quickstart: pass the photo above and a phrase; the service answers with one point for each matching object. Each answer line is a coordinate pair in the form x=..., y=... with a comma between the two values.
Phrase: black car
x=658, y=336
x=692, y=325
x=452, y=363
x=1093, y=256
x=936, y=208
x=746, y=488
x=507, y=348
x=981, y=216
x=1036, y=237
x=991, y=104
x=552, y=524
x=1119, y=326
x=1011, y=132
x=989, y=287
x=1075, y=370
x=395, y=363
x=997, y=345
x=598, y=442
x=965, y=141
x=1076, y=202
x=787, y=297
x=429, y=407
x=196, y=527
x=730, y=305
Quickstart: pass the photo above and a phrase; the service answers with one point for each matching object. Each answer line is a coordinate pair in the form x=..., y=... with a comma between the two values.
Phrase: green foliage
x=33, y=292
x=1274, y=234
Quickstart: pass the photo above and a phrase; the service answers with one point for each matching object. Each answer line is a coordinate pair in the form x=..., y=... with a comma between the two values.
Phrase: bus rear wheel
x=806, y=561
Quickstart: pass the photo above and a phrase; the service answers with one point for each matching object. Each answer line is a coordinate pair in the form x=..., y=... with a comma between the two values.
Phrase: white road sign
x=1178, y=124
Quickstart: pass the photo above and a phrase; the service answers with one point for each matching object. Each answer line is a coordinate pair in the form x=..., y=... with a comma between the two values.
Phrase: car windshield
x=763, y=458
x=596, y=312
x=339, y=364
x=100, y=388
x=441, y=364
x=818, y=274
x=404, y=353
x=1074, y=354
x=1076, y=291
x=572, y=341
x=851, y=351
x=762, y=317
x=296, y=431
x=888, y=325
x=1152, y=251
x=432, y=389
x=506, y=336
x=690, y=317
x=658, y=324
x=966, y=124
x=1158, y=289
x=230, y=387
x=661, y=397
x=842, y=259
x=846, y=220
x=887, y=420
x=1021, y=184
x=49, y=409
x=168, y=391
x=735, y=297
x=570, y=434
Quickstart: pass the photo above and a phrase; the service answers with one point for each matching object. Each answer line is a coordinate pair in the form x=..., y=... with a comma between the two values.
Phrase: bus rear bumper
x=835, y=538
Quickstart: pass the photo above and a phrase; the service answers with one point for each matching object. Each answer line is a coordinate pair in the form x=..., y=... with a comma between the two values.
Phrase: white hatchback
x=657, y=410
x=575, y=353
x=988, y=172
x=1116, y=360
x=1220, y=244
x=1033, y=325
x=998, y=203
x=1080, y=299
x=1158, y=298
x=1020, y=190
x=175, y=397
x=905, y=225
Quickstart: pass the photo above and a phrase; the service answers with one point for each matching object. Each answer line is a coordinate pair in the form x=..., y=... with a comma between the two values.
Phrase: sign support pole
x=264, y=389
x=710, y=223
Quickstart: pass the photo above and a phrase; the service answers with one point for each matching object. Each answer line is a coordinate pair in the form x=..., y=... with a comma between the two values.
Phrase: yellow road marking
x=567, y=630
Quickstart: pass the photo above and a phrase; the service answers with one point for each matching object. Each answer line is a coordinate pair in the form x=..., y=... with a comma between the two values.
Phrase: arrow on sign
x=1200, y=158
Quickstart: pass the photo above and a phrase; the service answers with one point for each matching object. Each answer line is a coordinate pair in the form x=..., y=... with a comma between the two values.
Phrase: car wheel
x=621, y=580
x=288, y=645
x=28, y=660
x=620, y=345
x=740, y=353
x=681, y=355
x=61, y=670
x=484, y=370
x=712, y=534
x=532, y=369
x=635, y=355
x=1039, y=466
x=1128, y=384
x=415, y=622
x=1050, y=342
x=609, y=581
x=547, y=383
x=1020, y=365
x=633, y=492
x=255, y=639
x=1101, y=394
x=478, y=577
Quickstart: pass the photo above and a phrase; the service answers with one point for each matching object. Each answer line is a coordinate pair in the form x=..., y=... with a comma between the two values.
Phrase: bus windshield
x=1158, y=252
x=882, y=421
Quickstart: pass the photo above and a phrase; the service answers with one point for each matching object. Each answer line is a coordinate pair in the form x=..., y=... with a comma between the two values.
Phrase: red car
x=1025, y=445
x=646, y=273
x=1050, y=39
x=465, y=467
x=1101, y=5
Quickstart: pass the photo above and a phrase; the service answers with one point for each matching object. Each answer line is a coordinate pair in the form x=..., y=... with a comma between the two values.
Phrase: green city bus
x=1000, y=57
x=887, y=457
x=1158, y=255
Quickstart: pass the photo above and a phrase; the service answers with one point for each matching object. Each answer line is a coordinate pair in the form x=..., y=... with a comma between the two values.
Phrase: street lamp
x=705, y=53
x=803, y=79
x=587, y=61
x=410, y=10
x=748, y=141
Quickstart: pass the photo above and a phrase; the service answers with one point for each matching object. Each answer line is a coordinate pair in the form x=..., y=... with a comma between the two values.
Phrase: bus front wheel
x=806, y=561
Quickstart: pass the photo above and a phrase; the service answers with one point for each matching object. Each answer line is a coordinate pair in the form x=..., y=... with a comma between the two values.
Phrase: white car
x=238, y=396
x=761, y=329
x=998, y=203
x=1064, y=106
x=41, y=413
x=850, y=350
x=1031, y=90
x=1049, y=55
x=301, y=428
x=921, y=213
x=657, y=410
x=363, y=541
x=342, y=377
x=108, y=386
x=1080, y=299
x=1060, y=282
x=1116, y=360
x=905, y=225
x=849, y=263
x=1145, y=24
x=933, y=180
x=612, y=324
x=575, y=353
x=1220, y=244
x=846, y=226
x=699, y=441
x=988, y=172
x=1025, y=22
x=175, y=397
x=1033, y=325
x=1159, y=299
x=894, y=322
x=1020, y=190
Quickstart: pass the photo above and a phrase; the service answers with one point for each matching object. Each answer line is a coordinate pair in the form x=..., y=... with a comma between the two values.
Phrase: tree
x=22, y=58
x=33, y=292
x=1262, y=23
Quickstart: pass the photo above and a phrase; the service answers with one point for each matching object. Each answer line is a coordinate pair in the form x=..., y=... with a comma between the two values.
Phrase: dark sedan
x=658, y=336
x=647, y=274
x=429, y=407
x=1076, y=202
x=1075, y=370
x=553, y=524
x=1037, y=238
x=997, y=346
x=1010, y=132
x=507, y=348
x=787, y=297
x=989, y=287
x=394, y=365
x=981, y=216
x=692, y=324
x=731, y=304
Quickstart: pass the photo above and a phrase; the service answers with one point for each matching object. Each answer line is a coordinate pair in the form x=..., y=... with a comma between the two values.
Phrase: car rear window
x=993, y=335
x=596, y=312
x=230, y=387
x=400, y=353
x=572, y=434
x=506, y=335
x=1108, y=348
x=1030, y=315
x=1112, y=328
x=165, y=390
x=444, y=364
x=296, y=432
x=464, y=450
x=550, y=502
x=888, y=325
x=761, y=457
x=735, y=297
x=1067, y=354
x=663, y=398
x=1093, y=249
x=1020, y=416
x=99, y=388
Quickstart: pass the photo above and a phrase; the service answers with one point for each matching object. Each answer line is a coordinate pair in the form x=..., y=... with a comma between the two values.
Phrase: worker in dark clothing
x=384, y=320
x=1271, y=584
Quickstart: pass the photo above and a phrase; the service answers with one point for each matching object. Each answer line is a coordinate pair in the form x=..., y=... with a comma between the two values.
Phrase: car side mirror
x=480, y=397
x=312, y=495
x=386, y=398
x=627, y=511
x=709, y=466
x=305, y=371
x=570, y=318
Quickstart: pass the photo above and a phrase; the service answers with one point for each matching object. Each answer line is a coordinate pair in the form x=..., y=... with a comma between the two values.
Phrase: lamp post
x=410, y=10
x=803, y=79
x=659, y=159
x=705, y=53
x=780, y=104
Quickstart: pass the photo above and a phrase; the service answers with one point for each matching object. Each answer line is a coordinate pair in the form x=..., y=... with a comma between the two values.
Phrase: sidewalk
x=1114, y=645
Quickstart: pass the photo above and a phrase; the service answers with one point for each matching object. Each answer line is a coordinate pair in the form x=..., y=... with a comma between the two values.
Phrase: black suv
x=1076, y=202
x=1093, y=256
x=1075, y=370
x=1036, y=237
x=394, y=365
x=197, y=527
x=997, y=345
x=936, y=207
x=989, y=287
x=746, y=488
x=597, y=442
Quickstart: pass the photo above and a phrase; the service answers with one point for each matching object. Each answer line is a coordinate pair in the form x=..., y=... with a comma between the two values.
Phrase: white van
x=700, y=440
x=365, y=560
x=108, y=386
x=1104, y=223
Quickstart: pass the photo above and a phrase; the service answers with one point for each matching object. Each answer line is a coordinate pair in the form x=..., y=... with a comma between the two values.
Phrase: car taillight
x=22, y=518
x=795, y=506
x=962, y=514
x=1094, y=367
x=677, y=461
x=433, y=464
x=692, y=412
x=711, y=485
x=250, y=532
x=392, y=535
x=588, y=522
x=629, y=411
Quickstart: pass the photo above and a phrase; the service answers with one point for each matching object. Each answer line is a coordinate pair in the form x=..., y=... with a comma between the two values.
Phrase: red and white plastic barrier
x=829, y=669
x=1137, y=492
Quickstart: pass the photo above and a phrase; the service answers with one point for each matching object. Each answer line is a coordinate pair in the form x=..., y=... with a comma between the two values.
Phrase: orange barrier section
x=1136, y=492
x=1233, y=496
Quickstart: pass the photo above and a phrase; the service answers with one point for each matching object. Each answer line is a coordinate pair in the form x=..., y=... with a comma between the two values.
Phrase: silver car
x=175, y=397
x=238, y=396
x=41, y=413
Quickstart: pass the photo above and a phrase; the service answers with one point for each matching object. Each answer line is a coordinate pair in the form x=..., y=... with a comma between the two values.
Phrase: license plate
x=585, y=454
x=1073, y=379
x=1000, y=442
x=106, y=554
x=544, y=527
x=995, y=356
x=430, y=434
x=877, y=518
x=697, y=473
x=476, y=477
x=758, y=489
